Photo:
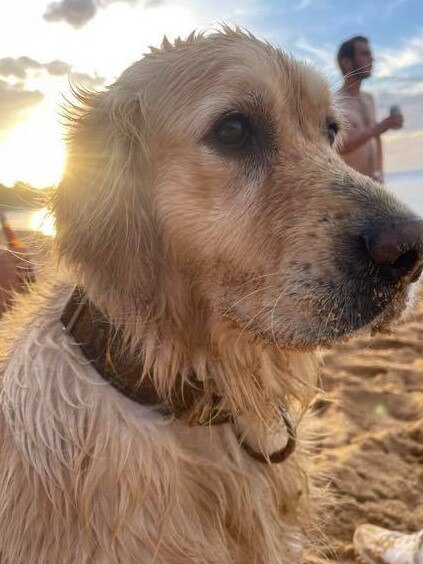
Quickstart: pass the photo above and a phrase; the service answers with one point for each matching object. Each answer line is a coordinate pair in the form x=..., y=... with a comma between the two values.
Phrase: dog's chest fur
x=88, y=476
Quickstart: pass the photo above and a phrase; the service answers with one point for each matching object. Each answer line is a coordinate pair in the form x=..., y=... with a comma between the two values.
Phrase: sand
x=372, y=409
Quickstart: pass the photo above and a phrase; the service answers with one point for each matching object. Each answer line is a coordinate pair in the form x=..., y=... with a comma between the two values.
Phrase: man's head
x=355, y=56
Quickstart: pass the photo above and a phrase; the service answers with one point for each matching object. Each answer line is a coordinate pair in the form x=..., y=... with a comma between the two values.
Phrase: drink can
x=395, y=110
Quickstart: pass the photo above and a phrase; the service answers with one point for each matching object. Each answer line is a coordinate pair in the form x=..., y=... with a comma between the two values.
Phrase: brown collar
x=101, y=344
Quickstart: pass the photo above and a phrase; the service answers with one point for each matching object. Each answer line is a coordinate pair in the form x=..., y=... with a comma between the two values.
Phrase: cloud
x=75, y=12
x=303, y=5
x=19, y=68
x=395, y=4
x=322, y=57
x=86, y=80
x=410, y=85
x=58, y=68
x=14, y=101
x=78, y=12
x=390, y=61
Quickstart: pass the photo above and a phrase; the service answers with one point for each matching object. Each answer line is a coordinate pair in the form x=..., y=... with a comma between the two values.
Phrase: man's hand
x=391, y=122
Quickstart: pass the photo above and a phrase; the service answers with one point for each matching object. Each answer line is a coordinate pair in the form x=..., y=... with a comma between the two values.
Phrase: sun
x=42, y=221
x=33, y=150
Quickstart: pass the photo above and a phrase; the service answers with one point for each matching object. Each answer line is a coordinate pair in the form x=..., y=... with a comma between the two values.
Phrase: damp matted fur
x=233, y=264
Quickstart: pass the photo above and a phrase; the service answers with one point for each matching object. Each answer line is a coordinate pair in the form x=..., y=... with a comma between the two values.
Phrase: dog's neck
x=105, y=346
x=171, y=344
x=198, y=400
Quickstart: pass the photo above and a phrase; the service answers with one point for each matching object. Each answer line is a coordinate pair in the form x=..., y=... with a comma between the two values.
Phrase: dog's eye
x=332, y=131
x=247, y=139
x=234, y=131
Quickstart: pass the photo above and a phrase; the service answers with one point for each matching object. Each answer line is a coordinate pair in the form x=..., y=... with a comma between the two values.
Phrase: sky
x=47, y=45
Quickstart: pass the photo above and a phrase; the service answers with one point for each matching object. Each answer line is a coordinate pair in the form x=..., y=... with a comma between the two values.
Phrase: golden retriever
x=216, y=239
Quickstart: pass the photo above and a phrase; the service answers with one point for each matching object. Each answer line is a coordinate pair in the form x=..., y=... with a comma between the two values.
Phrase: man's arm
x=354, y=140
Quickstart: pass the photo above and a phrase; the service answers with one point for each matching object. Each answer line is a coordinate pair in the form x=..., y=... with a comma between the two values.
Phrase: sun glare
x=33, y=151
x=43, y=222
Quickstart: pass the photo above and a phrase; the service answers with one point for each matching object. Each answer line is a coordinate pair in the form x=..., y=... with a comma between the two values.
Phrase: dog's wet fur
x=206, y=212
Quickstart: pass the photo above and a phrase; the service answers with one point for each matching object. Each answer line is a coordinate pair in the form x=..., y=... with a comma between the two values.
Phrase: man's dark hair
x=346, y=49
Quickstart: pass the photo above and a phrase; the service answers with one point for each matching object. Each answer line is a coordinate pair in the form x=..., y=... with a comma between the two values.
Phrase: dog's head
x=206, y=179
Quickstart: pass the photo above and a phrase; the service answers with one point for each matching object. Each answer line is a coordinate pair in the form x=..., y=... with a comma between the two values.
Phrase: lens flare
x=42, y=221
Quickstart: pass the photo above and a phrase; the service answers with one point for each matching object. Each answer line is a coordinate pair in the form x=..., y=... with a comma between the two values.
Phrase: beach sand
x=372, y=410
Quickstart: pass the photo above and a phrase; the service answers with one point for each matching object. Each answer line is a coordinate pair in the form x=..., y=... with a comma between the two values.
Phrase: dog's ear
x=103, y=220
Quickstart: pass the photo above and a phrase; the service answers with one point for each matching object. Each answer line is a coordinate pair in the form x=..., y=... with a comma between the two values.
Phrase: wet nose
x=397, y=248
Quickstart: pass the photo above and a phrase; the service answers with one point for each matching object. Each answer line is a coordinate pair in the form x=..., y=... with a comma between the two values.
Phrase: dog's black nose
x=397, y=248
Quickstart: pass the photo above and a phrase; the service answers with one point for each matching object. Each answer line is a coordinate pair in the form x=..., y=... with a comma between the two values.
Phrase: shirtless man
x=362, y=148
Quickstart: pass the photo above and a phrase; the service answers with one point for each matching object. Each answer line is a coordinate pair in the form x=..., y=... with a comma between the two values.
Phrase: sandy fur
x=207, y=264
x=88, y=476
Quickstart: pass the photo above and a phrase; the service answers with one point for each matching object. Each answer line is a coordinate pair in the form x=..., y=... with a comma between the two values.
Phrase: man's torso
x=361, y=115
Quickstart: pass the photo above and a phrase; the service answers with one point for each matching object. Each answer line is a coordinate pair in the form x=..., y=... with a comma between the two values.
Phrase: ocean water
x=408, y=186
x=38, y=220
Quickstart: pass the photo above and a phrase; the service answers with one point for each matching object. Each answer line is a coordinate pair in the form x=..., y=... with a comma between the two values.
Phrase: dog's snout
x=397, y=248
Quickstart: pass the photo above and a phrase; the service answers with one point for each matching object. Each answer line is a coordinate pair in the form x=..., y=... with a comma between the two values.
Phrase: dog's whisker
x=272, y=317
x=259, y=277
x=335, y=84
x=250, y=322
x=246, y=297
